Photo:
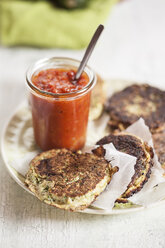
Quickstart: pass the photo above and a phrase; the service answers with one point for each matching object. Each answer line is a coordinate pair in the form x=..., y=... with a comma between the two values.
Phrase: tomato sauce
x=60, y=121
x=59, y=81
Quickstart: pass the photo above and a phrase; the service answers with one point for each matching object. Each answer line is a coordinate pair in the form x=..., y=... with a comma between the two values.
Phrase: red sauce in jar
x=59, y=81
x=60, y=121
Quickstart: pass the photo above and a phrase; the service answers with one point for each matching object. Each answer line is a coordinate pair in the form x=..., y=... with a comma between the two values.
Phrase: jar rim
x=69, y=61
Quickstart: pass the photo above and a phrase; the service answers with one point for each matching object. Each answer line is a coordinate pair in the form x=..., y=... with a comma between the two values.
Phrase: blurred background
x=132, y=46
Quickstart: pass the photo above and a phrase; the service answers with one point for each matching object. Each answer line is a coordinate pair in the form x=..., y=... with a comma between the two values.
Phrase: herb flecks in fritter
x=68, y=180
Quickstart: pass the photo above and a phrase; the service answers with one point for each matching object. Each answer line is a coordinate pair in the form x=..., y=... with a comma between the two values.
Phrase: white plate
x=18, y=148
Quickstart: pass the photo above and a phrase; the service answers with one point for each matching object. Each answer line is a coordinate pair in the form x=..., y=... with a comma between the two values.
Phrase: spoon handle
x=89, y=51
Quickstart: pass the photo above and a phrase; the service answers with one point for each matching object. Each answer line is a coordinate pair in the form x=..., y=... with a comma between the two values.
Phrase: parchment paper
x=149, y=193
x=120, y=179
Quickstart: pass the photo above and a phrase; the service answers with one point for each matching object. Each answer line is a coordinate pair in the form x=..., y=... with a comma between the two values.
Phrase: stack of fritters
x=127, y=106
x=68, y=180
x=134, y=146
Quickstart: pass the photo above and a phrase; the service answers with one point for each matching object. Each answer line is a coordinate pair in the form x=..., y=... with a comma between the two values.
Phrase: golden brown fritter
x=134, y=146
x=127, y=106
x=68, y=180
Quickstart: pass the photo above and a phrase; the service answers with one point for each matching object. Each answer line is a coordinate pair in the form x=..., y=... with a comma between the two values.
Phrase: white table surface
x=132, y=47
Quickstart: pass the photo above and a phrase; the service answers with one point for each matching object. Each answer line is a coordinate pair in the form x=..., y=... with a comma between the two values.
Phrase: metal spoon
x=88, y=52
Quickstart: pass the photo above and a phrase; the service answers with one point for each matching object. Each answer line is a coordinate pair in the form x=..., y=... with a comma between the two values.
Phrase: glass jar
x=59, y=120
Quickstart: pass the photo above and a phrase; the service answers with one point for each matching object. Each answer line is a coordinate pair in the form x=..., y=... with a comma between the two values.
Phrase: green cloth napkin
x=41, y=24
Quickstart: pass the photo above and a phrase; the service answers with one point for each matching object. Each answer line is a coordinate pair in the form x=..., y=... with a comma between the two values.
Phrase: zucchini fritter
x=68, y=180
x=127, y=106
x=134, y=146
